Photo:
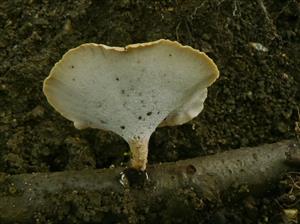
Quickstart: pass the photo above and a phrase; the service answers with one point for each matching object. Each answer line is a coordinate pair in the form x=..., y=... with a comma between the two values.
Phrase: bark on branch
x=28, y=197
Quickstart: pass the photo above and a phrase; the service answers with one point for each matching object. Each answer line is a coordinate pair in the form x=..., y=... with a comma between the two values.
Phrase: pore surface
x=126, y=90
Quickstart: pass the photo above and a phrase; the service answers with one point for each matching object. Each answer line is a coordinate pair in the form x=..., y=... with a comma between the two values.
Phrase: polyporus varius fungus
x=131, y=90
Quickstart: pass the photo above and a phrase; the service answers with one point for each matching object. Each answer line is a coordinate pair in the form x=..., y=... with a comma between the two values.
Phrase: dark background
x=255, y=100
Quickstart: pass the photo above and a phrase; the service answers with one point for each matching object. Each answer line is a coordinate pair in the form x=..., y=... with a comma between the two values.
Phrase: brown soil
x=255, y=100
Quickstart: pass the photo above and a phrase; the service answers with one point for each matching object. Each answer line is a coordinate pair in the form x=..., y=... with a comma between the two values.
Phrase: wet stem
x=139, y=153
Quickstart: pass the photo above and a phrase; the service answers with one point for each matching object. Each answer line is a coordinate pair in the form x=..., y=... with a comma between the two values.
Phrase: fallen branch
x=28, y=197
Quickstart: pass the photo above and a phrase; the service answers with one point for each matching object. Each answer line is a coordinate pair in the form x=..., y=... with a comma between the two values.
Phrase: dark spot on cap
x=190, y=169
x=72, y=66
x=122, y=127
x=140, y=117
x=117, y=79
x=158, y=112
x=103, y=122
x=149, y=113
x=170, y=55
x=74, y=79
x=122, y=91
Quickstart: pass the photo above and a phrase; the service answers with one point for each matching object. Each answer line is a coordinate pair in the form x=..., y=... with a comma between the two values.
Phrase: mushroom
x=132, y=90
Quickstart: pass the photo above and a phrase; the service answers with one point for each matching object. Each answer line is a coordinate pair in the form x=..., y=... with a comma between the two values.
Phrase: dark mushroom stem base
x=134, y=178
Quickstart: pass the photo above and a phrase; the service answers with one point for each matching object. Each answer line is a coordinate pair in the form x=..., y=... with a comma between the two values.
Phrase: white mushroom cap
x=130, y=90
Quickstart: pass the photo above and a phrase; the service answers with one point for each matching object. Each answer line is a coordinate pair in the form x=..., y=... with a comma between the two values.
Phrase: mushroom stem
x=139, y=153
